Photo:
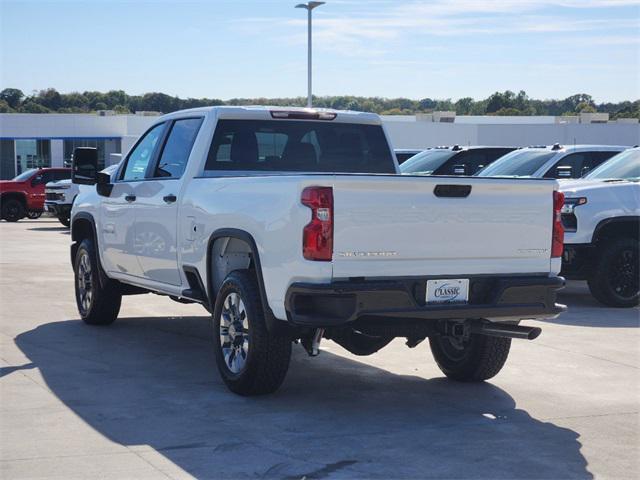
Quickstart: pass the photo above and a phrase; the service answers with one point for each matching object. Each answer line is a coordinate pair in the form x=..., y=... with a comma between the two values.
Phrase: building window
x=105, y=146
x=32, y=154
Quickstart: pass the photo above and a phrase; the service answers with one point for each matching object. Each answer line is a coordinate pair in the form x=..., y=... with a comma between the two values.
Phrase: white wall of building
x=420, y=134
x=57, y=153
x=405, y=131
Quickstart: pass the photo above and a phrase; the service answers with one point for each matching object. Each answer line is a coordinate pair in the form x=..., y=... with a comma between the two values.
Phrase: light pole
x=309, y=6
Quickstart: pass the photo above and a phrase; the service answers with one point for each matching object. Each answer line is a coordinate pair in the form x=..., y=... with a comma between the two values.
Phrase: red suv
x=24, y=195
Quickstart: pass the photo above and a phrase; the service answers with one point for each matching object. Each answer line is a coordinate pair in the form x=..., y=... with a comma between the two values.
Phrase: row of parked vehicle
x=599, y=216
x=294, y=225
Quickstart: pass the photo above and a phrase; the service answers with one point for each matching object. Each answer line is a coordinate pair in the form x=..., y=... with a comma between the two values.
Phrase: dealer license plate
x=452, y=290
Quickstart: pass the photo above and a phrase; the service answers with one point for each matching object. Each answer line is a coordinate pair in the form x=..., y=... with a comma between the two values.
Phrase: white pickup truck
x=293, y=225
x=58, y=198
x=601, y=217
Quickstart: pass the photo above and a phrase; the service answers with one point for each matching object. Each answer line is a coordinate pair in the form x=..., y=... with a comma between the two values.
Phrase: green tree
x=12, y=96
x=464, y=105
x=584, y=107
x=30, y=106
x=4, y=107
x=49, y=98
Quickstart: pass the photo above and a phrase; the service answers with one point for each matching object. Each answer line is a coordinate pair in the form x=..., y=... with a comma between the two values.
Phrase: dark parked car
x=454, y=160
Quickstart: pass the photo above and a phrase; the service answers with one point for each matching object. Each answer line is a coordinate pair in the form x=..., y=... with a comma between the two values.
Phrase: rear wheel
x=615, y=279
x=251, y=360
x=98, y=303
x=33, y=215
x=475, y=359
x=12, y=210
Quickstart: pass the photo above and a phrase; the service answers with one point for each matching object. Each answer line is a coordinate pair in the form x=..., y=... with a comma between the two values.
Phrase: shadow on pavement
x=50, y=229
x=152, y=381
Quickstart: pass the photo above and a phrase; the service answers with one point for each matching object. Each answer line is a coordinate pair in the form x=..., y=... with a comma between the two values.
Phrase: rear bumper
x=492, y=297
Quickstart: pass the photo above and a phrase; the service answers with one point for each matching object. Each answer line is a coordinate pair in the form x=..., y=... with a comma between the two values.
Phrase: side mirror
x=103, y=184
x=37, y=180
x=564, y=171
x=460, y=169
x=84, y=169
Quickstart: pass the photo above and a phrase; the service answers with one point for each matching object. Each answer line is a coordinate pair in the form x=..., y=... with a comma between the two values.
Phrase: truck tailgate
x=388, y=226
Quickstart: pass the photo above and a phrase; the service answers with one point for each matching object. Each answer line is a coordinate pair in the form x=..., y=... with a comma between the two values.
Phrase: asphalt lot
x=142, y=398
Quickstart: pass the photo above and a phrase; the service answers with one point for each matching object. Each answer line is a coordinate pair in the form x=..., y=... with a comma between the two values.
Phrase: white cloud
x=365, y=30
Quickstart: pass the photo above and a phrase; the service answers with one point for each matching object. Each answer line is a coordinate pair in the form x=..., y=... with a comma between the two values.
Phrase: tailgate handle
x=452, y=191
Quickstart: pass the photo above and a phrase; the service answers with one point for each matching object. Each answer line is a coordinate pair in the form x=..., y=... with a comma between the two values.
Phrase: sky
x=389, y=48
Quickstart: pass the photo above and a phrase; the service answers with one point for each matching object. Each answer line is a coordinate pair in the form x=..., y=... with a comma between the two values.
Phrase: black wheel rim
x=13, y=210
x=623, y=274
x=454, y=349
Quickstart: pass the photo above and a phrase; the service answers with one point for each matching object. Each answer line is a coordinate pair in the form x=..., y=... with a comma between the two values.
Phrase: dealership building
x=43, y=140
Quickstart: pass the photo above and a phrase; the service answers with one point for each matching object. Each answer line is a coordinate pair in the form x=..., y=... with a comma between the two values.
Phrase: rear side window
x=569, y=166
x=299, y=146
x=464, y=163
x=177, y=148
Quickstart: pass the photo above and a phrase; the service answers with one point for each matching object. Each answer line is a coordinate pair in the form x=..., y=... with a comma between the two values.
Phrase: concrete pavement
x=142, y=398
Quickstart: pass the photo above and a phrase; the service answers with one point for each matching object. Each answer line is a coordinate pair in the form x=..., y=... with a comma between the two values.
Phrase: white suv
x=601, y=217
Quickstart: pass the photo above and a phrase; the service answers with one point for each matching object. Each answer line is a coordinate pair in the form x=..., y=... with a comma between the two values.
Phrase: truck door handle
x=452, y=191
x=130, y=198
x=169, y=198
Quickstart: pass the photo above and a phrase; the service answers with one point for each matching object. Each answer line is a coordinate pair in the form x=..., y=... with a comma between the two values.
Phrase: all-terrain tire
x=614, y=280
x=266, y=360
x=12, y=210
x=98, y=303
x=477, y=359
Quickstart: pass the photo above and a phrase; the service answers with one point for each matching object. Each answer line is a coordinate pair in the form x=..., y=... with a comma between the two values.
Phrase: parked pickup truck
x=601, y=217
x=24, y=195
x=294, y=225
x=59, y=197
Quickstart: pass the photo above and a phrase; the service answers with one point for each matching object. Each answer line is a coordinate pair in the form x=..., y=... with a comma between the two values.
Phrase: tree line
x=13, y=100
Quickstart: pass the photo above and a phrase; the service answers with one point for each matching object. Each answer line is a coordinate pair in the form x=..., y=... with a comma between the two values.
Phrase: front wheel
x=251, y=360
x=33, y=215
x=475, y=359
x=615, y=279
x=12, y=210
x=66, y=221
x=98, y=303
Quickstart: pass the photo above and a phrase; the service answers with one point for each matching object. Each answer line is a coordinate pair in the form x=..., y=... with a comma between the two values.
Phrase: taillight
x=317, y=236
x=558, y=229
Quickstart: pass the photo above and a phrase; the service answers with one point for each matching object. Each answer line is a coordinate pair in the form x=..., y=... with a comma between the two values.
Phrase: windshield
x=26, y=175
x=426, y=162
x=625, y=165
x=519, y=163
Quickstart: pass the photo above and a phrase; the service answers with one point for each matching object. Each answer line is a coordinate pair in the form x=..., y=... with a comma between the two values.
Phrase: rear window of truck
x=299, y=146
